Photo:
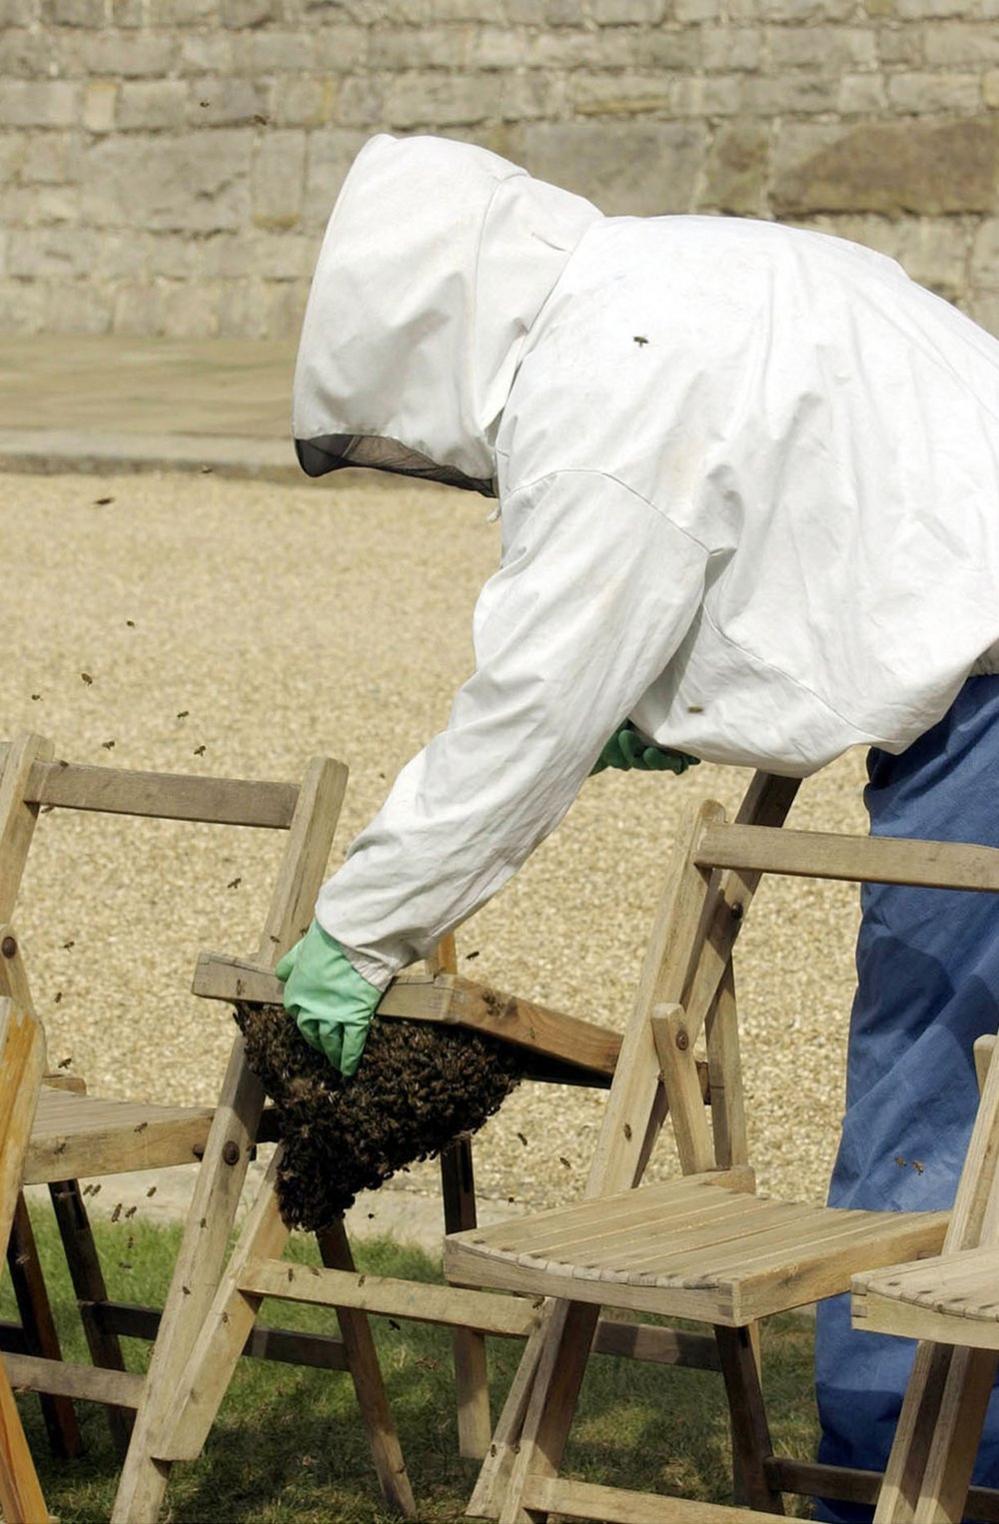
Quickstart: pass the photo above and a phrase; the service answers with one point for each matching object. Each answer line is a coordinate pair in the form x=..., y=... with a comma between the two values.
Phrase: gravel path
x=264, y=624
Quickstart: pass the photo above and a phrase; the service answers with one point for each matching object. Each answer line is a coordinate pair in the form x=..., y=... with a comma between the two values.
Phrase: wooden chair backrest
x=30, y=779
x=687, y=984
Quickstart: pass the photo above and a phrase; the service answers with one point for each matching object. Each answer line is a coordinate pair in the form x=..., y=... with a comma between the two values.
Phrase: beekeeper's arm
x=595, y=592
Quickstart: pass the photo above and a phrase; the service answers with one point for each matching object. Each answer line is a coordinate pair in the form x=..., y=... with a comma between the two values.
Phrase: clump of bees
x=418, y=1087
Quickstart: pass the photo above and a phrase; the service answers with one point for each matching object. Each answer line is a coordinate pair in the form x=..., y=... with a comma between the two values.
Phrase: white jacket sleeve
x=595, y=592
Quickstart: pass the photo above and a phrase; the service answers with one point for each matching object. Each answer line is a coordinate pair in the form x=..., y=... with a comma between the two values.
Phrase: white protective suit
x=748, y=479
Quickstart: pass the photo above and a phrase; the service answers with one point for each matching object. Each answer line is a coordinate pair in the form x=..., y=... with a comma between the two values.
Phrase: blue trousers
x=928, y=985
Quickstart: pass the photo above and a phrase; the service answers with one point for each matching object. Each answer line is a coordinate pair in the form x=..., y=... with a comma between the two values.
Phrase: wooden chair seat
x=700, y=1247
x=77, y=1136
x=952, y=1299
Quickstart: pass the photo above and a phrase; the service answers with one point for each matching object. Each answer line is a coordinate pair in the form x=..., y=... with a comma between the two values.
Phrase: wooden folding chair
x=703, y=1246
x=951, y=1305
x=75, y=1134
x=22, y=1064
x=553, y=1047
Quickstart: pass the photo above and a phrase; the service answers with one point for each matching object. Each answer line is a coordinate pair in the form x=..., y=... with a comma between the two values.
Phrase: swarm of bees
x=419, y=1086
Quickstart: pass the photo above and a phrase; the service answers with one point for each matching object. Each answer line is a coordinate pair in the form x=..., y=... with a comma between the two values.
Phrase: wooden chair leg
x=471, y=1377
x=196, y=1276
x=88, y=1283
x=40, y=1334
x=362, y=1362
x=956, y=1437
x=20, y=1490
x=751, y=1443
x=494, y=1475
x=554, y=1395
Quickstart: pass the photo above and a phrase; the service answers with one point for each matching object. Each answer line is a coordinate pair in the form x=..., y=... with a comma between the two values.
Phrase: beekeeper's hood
x=437, y=259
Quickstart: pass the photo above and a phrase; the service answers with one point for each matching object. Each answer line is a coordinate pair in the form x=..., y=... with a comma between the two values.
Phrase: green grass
x=288, y=1446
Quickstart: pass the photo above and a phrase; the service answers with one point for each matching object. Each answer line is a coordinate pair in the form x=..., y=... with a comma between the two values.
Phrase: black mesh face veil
x=332, y=452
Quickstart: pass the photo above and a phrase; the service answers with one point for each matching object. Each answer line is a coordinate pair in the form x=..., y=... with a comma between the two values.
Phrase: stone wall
x=166, y=166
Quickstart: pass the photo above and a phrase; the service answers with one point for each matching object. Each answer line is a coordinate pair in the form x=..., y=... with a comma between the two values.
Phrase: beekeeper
x=748, y=485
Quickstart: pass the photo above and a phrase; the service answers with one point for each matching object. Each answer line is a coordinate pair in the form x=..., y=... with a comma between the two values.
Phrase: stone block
x=361, y=101
x=220, y=101
x=567, y=48
x=706, y=96
x=13, y=151
x=78, y=306
x=183, y=13
x=990, y=89
x=130, y=54
x=692, y=12
x=74, y=12
x=189, y=310
x=151, y=103
x=192, y=182
x=335, y=49
x=127, y=13
x=927, y=167
x=38, y=103
x=546, y=12
x=619, y=94
x=495, y=47
x=207, y=53
x=50, y=158
x=732, y=48
x=41, y=253
x=935, y=253
x=804, y=94
x=984, y=268
x=931, y=10
x=329, y=155
x=625, y=167
x=829, y=48
x=35, y=206
x=19, y=12
x=23, y=306
x=441, y=100
x=861, y=95
x=962, y=42
x=738, y=170
x=929, y=94
x=434, y=47
x=24, y=54
x=303, y=102
x=901, y=45
x=983, y=306
x=138, y=308
x=100, y=103
x=627, y=12
x=277, y=179
x=237, y=13
x=669, y=48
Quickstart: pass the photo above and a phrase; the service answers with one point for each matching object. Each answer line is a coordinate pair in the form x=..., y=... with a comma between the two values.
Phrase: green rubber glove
x=626, y=749
x=331, y=1002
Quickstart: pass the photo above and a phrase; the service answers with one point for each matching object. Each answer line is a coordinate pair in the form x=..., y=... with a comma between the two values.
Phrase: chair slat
x=168, y=796
x=868, y=859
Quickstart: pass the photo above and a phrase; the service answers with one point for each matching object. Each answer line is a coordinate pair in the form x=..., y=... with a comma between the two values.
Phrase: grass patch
x=288, y=1448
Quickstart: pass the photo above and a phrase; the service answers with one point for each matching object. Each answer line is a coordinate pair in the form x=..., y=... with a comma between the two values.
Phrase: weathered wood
x=867, y=859
x=306, y=855
x=84, y=1383
x=79, y=1136
x=41, y=1337
x=751, y=1443
x=681, y=1081
x=369, y=1388
x=196, y=1394
x=509, y=1317
x=582, y=1046
x=727, y=1098
x=471, y=1374
x=21, y=1496
x=813, y=1479
x=167, y=796
x=87, y=1276
x=616, y=1505
x=287, y=1346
